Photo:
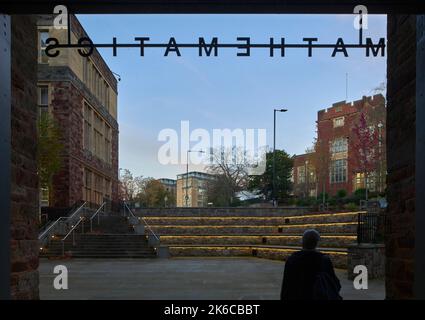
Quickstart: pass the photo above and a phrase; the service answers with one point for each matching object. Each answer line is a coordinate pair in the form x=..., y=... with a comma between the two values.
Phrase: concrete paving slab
x=179, y=279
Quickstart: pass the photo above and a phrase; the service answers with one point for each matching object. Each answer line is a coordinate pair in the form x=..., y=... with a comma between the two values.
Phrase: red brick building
x=335, y=132
x=304, y=176
x=81, y=95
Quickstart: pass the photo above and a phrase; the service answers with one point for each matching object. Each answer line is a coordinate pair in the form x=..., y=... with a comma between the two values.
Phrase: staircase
x=109, y=246
x=264, y=233
x=107, y=237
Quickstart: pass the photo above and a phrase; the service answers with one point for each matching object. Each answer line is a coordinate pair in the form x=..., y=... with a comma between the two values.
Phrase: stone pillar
x=401, y=136
x=419, y=286
x=5, y=111
x=367, y=254
x=24, y=179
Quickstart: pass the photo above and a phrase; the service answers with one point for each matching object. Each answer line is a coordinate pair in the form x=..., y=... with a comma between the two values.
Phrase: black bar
x=213, y=6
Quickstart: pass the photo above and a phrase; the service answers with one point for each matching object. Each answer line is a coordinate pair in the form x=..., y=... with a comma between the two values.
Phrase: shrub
x=320, y=197
x=351, y=206
x=360, y=193
x=341, y=193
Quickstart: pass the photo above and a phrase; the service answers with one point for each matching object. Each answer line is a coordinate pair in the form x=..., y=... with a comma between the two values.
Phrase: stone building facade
x=194, y=186
x=335, y=132
x=81, y=95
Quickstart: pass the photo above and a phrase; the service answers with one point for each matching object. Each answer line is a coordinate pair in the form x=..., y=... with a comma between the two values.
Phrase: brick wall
x=401, y=134
x=24, y=180
x=326, y=132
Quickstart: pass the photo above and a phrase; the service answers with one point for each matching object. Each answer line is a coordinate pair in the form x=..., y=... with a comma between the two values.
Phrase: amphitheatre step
x=219, y=212
x=249, y=220
x=337, y=255
x=292, y=240
x=338, y=227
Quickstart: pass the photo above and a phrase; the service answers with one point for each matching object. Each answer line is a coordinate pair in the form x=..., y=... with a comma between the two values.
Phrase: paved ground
x=179, y=278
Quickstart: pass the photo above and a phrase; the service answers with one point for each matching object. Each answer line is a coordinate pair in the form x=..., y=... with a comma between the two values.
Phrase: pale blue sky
x=227, y=91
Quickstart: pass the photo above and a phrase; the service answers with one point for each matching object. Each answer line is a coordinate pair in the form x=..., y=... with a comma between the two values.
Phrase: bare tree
x=320, y=159
x=128, y=186
x=230, y=168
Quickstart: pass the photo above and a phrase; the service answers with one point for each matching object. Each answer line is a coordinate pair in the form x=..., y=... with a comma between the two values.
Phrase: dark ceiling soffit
x=212, y=6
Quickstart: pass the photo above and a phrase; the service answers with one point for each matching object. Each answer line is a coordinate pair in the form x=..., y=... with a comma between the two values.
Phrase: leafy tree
x=152, y=193
x=365, y=141
x=263, y=184
x=49, y=149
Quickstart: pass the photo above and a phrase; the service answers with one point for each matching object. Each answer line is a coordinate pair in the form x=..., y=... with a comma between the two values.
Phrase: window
x=301, y=174
x=43, y=36
x=88, y=185
x=339, y=122
x=43, y=99
x=97, y=135
x=339, y=145
x=338, y=170
x=86, y=62
x=359, y=181
x=107, y=150
x=88, y=133
x=96, y=187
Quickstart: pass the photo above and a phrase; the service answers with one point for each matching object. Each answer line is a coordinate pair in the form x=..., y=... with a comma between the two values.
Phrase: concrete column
x=5, y=107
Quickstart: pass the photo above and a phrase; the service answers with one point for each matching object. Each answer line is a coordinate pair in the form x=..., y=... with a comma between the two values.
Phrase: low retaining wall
x=296, y=240
x=370, y=255
x=253, y=220
x=338, y=228
x=339, y=259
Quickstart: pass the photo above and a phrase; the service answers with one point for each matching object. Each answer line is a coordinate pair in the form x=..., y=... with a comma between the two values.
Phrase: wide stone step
x=283, y=240
x=220, y=212
x=338, y=256
x=247, y=220
x=336, y=228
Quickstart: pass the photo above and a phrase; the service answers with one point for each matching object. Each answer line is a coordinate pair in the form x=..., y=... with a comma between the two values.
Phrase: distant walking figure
x=309, y=274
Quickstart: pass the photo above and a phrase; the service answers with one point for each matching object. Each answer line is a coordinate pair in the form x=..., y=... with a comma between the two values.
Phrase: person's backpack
x=325, y=286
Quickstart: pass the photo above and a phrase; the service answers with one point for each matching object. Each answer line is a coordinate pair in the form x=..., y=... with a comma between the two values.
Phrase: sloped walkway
x=179, y=278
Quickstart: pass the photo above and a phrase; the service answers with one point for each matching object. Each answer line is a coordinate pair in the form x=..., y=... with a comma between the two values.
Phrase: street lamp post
x=187, y=173
x=274, y=154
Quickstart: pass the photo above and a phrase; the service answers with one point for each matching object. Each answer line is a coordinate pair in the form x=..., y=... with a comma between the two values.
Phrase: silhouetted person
x=309, y=274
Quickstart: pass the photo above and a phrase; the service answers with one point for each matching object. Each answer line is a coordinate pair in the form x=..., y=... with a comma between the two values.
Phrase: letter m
x=208, y=48
x=375, y=47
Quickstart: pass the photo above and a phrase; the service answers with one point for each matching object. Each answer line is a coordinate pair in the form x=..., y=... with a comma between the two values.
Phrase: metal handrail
x=145, y=222
x=59, y=219
x=94, y=215
x=73, y=235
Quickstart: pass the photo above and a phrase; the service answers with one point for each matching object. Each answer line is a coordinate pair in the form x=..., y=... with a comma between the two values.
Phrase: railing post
x=73, y=237
x=63, y=248
x=358, y=228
